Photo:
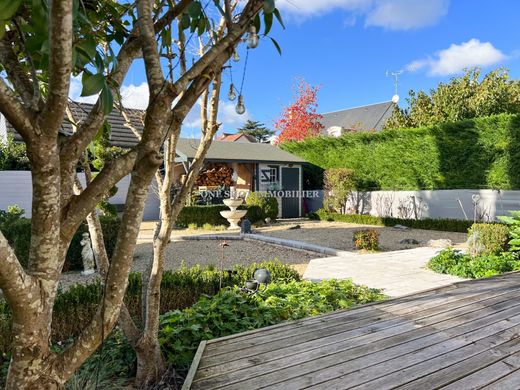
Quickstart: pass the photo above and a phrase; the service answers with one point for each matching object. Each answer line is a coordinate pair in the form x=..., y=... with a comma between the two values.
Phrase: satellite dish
x=395, y=98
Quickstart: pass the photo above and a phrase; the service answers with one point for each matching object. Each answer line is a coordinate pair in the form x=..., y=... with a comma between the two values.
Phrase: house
x=364, y=118
x=248, y=166
x=237, y=137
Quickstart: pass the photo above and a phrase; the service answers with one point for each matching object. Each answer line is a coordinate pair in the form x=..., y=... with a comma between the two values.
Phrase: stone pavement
x=397, y=273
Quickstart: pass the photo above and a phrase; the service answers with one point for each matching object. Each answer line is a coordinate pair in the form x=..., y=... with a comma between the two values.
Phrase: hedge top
x=476, y=153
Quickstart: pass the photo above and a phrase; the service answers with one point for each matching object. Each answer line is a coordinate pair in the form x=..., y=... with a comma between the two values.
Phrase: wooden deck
x=462, y=336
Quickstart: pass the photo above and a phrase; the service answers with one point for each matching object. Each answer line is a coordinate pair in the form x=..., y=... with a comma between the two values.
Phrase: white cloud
x=227, y=116
x=456, y=58
x=406, y=14
x=389, y=14
x=133, y=96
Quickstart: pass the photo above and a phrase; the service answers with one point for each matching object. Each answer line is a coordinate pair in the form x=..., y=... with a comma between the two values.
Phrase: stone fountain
x=233, y=215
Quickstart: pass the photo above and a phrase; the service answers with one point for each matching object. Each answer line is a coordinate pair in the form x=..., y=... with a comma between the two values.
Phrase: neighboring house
x=363, y=118
x=238, y=137
x=255, y=166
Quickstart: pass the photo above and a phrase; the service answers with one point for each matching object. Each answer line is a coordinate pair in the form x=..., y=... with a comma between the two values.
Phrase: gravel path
x=205, y=252
x=338, y=235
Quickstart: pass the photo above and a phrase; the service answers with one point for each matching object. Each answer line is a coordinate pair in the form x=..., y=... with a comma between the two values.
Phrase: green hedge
x=211, y=214
x=179, y=289
x=18, y=233
x=267, y=204
x=478, y=153
x=449, y=225
x=487, y=239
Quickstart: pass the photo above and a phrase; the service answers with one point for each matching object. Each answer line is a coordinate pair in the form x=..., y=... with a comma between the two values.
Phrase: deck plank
x=465, y=335
x=333, y=330
x=321, y=364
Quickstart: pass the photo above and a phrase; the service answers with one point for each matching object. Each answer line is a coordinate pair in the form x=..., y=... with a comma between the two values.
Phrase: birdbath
x=233, y=215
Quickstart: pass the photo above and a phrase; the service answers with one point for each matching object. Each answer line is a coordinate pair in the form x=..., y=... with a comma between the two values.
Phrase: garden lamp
x=252, y=38
x=260, y=276
x=240, y=108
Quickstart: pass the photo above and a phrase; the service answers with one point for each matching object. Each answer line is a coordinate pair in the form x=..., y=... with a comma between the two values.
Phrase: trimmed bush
x=179, y=289
x=232, y=311
x=267, y=204
x=487, y=238
x=367, y=239
x=448, y=225
x=200, y=215
x=477, y=153
x=456, y=263
x=18, y=233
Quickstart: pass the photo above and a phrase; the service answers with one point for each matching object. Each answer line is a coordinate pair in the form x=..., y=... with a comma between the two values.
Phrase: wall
x=15, y=188
x=437, y=204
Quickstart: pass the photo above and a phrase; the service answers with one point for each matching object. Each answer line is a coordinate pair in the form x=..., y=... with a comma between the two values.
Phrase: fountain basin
x=233, y=203
x=236, y=214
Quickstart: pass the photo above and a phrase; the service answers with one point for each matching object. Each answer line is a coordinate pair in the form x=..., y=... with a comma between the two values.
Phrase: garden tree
x=300, y=120
x=463, y=97
x=42, y=44
x=257, y=130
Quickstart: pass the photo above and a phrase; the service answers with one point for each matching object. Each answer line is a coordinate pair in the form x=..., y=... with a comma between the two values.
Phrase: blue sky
x=347, y=45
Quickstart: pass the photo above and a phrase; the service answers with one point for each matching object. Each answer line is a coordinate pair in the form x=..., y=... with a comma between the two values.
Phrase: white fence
x=16, y=189
x=485, y=205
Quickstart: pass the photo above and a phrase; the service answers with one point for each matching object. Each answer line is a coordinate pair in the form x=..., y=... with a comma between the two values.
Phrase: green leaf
x=88, y=48
x=92, y=83
x=8, y=8
x=107, y=100
x=269, y=6
x=257, y=23
x=2, y=29
x=195, y=9
x=268, y=21
x=185, y=21
x=279, y=17
x=201, y=26
x=276, y=45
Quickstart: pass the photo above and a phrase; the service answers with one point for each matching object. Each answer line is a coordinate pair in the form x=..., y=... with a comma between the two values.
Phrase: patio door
x=290, y=182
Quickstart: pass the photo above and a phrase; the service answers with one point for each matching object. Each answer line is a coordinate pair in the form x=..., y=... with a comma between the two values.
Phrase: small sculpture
x=87, y=255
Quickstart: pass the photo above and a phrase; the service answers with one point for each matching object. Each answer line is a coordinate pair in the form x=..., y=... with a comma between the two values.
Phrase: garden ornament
x=87, y=255
x=261, y=276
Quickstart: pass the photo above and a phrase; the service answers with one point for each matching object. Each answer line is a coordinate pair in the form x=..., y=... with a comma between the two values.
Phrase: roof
x=237, y=137
x=370, y=117
x=237, y=151
x=120, y=134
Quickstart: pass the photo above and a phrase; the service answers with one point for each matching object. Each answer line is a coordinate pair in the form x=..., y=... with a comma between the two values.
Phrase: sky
x=347, y=46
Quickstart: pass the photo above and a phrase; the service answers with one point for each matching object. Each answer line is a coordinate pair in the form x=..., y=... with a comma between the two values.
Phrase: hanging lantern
x=240, y=107
x=252, y=38
x=231, y=94
x=235, y=57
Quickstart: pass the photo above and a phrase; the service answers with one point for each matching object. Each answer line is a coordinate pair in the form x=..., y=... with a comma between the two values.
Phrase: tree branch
x=14, y=282
x=81, y=205
x=60, y=65
x=16, y=114
x=16, y=74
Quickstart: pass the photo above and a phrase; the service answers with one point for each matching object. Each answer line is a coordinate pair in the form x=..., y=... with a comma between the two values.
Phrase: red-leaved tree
x=300, y=120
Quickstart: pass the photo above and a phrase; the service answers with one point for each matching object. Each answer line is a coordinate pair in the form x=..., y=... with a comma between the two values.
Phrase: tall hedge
x=477, y=153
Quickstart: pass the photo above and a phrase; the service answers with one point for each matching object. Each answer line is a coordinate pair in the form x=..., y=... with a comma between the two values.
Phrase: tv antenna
x=396, y=75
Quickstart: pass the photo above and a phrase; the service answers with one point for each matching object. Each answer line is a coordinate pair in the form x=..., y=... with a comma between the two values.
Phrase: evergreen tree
x=256, y=129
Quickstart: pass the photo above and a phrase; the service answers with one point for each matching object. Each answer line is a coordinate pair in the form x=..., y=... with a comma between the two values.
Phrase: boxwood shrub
x=201, y=215
x=18, y=233
x=487, y=238
x=179, y=289
x=449, y=225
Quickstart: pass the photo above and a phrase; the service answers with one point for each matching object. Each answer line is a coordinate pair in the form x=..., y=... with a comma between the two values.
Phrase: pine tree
x=256, y=129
